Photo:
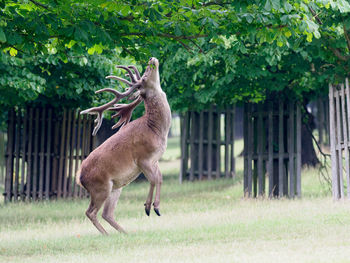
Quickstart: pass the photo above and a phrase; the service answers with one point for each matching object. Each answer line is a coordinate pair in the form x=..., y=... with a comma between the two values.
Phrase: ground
x=205, y=221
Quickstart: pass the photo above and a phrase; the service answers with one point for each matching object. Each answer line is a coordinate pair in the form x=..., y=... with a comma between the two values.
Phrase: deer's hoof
x=157, y=211
x=147, y=209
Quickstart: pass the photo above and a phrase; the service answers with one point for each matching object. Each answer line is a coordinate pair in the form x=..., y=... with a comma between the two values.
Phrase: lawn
x=205, y=221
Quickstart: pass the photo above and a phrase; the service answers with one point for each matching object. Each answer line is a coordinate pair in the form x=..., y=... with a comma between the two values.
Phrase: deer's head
x=150, y=79
x=137, y=85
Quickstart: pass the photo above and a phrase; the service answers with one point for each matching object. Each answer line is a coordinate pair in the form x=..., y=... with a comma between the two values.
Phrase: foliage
x=47, y=80
x=285, y=57
x=211, y=51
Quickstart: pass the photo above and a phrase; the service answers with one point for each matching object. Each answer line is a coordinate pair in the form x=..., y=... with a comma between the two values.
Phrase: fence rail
x=339, y=112
x=44, y=151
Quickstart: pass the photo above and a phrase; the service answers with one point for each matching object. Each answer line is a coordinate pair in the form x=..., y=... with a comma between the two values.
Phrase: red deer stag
x=135, y=148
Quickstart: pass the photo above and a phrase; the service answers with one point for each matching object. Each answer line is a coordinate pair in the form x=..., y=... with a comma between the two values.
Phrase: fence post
x=260, y=146
x=48, y=155
x=61, y=157
x=245, y=150
x=192, y=148
x=227, y=140
x=218, y=144
x=280, y=149
x=333, y=144
x=42, y=153
x=2, y=158
x=291, y=150
x=200, y=148
x=184, y=147
x=210, y=143
x=347, y=126
x=9, y=155
x=17, y=153
x=233, y=160
x=270, y=148
x=345, y=137
x=338, y=144
x=250, y=142
x=298, y=151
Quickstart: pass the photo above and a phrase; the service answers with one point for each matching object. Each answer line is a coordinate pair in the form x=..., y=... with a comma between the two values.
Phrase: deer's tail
x=77, y=178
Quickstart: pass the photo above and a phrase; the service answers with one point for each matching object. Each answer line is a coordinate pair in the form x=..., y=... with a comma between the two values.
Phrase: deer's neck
x=157, y=112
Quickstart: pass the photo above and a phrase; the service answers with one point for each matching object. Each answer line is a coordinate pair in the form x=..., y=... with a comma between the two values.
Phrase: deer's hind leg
x=98, y=196
x=154, y=176
x=109, y=207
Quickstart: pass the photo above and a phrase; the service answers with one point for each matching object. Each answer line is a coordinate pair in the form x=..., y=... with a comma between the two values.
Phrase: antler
x=137, y=73
x=118, y=96
x=124, y=111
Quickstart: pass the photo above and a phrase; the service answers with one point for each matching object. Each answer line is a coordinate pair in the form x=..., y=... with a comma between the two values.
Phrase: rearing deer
x=135, y=148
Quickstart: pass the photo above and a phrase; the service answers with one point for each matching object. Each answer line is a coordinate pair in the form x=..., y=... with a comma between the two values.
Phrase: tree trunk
x=308, y=154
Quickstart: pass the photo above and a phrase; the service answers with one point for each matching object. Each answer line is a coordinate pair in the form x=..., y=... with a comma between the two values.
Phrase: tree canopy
x=210, y=51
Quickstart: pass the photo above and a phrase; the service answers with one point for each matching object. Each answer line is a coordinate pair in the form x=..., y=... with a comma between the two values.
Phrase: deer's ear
x=143, y=93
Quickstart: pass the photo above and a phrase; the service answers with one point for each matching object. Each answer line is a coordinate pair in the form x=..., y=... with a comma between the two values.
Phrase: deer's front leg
x=149, y=199
x=152, y=173
x=159, y=181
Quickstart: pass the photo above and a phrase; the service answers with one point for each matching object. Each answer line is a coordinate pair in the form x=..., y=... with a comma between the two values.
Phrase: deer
x=135, y=148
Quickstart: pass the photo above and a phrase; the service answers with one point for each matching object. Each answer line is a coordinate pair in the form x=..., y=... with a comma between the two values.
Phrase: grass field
x=205, y=221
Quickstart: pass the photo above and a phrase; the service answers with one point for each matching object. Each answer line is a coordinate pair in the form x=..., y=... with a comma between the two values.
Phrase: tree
x=235, y=32
x=212, y=51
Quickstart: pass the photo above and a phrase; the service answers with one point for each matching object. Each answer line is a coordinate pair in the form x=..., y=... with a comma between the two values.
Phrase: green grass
x=205, y=221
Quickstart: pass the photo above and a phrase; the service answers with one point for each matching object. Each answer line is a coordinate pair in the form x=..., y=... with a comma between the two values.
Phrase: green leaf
x=288, y=33
x=2, y=36
x=13, y=52
x=287, y=6
x=91, y=50
x=276, y=4
x=249, y=18
x=178, y=31
x=267, y=5
x=309, y=37
x=317, y=34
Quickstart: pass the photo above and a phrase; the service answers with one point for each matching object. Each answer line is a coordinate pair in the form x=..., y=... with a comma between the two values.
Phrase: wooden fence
x=339, y=112
x=44, y=151
x=205, y=137
x=272, y=147
x=2, y=158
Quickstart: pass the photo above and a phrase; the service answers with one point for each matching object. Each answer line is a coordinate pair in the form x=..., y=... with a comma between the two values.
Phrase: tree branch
x=200, y=49
x=39, y=4
x=337, y=53
x=217, y=3
x=165, y=35
x=319, y=21
x=346, y=36
x=128, y=18
x=315, y=141
x=186, y=47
